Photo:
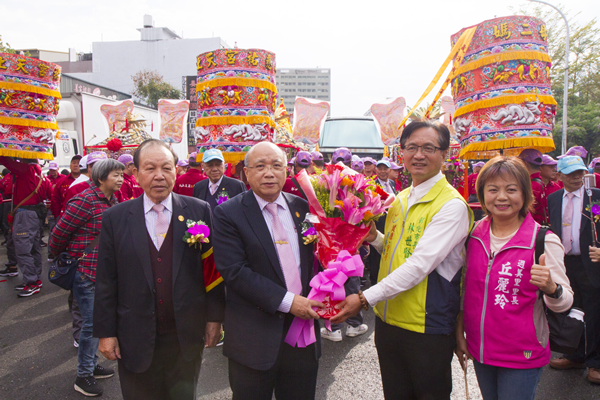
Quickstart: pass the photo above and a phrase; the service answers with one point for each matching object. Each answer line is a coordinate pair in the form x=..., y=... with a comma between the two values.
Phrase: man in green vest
x=417, y=295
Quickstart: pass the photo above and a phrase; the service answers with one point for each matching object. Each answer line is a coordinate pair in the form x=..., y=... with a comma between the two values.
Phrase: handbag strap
x=90, y=247
x=28, y=197
x=540, y=241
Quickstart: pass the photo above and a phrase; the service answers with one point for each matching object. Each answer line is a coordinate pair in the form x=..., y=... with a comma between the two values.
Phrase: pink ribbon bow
x=329, y=282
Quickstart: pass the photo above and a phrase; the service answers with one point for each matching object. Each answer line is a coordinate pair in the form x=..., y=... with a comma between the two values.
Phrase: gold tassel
x=230, y=157
x=510, y=147
x=235, y=120
x=29, y=122
x=26, y=154
x=506, y=56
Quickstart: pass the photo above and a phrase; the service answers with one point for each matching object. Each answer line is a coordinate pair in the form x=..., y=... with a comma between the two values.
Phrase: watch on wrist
x=557, y=293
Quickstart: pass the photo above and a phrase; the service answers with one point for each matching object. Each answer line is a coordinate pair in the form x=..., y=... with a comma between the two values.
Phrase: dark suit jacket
x=233, y=187
x=247, y=260
x=585, y=233
x=124, y=304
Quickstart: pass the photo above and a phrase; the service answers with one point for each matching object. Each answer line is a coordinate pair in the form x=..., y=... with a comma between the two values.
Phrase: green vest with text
x=433, y=304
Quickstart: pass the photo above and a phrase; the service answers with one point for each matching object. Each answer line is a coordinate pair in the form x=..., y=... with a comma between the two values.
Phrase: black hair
x=5, y=171
x=194, y=164
x=149, y=143
x=441, y=129
x=65, y=172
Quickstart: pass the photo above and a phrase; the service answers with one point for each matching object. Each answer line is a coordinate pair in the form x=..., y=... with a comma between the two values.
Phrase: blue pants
x=84, y=290
x=497, y=383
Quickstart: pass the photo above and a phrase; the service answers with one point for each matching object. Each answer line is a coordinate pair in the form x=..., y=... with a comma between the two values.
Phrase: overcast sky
x=375, y=49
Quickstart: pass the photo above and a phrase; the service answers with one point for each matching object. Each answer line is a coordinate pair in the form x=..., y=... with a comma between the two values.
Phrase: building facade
x=314, y=83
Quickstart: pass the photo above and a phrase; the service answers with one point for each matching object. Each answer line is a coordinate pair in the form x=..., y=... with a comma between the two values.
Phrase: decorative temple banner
x=29, y=102
x=115, y=114
x=173, y=116
x=309, y=118
x=236, y=100
x=387, y=117
x=501, y=89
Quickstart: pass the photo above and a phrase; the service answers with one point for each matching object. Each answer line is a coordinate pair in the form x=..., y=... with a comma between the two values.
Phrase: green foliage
x=584, y=75
x=150, y=87
x=5, y=47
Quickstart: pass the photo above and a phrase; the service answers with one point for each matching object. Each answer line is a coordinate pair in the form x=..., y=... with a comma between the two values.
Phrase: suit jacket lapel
x=139, y=234
x=584, y=214
x=203, y=189
x=304, y=257
x=179, y=228
x=259, y=226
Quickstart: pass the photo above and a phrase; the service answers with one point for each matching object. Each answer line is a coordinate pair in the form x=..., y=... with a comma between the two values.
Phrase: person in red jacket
x=30, y=191
x=185, y=183
x=6, y=186
x=533, y=161
x=130, y=188
x=302, y=161
x=62, y=185
x=594, y=168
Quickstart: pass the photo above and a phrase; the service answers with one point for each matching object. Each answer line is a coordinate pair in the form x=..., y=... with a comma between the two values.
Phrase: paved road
x=38, y=361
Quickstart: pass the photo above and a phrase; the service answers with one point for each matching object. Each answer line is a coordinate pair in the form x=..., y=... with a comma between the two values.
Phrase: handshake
x=303, y=308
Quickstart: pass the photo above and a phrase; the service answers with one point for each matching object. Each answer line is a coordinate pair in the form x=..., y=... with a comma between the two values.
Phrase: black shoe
x=102, y=373
x=87, y=386
x=3, y=243
x=20, y=287
x=43, y=244
x=29, y=290
x=10, y=265
x=9, y=271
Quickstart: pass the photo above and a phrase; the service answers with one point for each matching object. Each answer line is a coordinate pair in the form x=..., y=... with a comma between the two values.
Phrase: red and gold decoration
x=501, y=89
x=173, y=114
x=29, y=102
x=236, y=100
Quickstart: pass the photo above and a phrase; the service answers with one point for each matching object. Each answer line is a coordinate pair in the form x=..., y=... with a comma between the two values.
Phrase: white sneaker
x=355, y=331
x=75, y=344
x=335, y=336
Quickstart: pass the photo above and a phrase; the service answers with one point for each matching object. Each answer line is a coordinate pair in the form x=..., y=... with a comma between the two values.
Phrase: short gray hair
x=103, y=168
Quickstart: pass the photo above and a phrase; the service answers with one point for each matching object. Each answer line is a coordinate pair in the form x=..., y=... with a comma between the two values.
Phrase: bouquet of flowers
x=454, y=170
x=342, y=203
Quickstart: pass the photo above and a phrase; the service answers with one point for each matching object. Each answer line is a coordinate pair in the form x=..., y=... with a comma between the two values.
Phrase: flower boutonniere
x=309, y=233
x=223, y=197
x=595, y=210
x=197, y=232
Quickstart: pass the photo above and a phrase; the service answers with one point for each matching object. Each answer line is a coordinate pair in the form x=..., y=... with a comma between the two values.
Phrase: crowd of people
x=442, y=280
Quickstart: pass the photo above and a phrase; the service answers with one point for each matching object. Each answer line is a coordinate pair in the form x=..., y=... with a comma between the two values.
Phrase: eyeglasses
x=427, y=149
x=264, y=167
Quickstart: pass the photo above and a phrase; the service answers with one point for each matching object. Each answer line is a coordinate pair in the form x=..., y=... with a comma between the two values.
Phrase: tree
x=150, y=87
x=584, y=75
x=5, y=47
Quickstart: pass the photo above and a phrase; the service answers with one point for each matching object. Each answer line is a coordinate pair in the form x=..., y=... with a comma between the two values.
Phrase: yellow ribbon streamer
x=461, y=47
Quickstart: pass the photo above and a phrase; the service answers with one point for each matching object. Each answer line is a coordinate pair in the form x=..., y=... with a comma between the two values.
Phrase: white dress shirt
x=440, y=247
x=217, y=187
x=386, y=185
x=576, y=221
x=150, y=215
x=285, y=217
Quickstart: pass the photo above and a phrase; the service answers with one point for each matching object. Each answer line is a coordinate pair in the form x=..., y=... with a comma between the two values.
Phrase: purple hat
x=183, y=163
x=393, y=165
x=316, y=156
x=370, y=160
x=125, y=159
x=531, y=156
x=193, y=157
x=575, y=151
x=478, y=164
x=547, y=160
x=96, y=156
x=303, y=159
x=358, y=165
x=53, y=166
x=594, y=162
x=343, y=153
x=292, y=161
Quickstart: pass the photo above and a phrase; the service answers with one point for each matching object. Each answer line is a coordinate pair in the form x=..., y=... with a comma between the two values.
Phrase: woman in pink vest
x=503, y=317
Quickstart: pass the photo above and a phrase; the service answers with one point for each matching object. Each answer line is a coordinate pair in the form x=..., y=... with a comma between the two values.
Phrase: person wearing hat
x=594, y=168
x=182, y=167
x=472, y=178
x=548, y=173
x=383, y=173
x=358, y=165
x=61, y=187
x=394, y=176
x=303, y=160
x=53, y=174
x=218, y=187
x=570, y=220
x=369, y=167
x=130, y=188
x=533, y=161
x=30, y=190
x=317, y=159
x=342, y=154
x=578, y=151
x=86, y=164
x=185, y=183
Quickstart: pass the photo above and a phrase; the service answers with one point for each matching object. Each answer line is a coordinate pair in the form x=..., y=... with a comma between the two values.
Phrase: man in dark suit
x=267, y=269
x=383, y=172
x=218, y=187
x=159, y=301
x=569, y=219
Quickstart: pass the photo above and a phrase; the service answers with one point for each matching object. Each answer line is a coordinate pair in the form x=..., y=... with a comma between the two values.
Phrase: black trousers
x=414, y=365
x=292, y=377
x=587, y=297
x=170, y=376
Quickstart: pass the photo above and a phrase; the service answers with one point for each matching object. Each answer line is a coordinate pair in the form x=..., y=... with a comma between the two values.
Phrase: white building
x=314, y=83
x=159, y=49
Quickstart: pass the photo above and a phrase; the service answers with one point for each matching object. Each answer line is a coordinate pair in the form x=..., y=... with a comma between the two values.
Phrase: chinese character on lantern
x=503, y=32
x=42, y=69
x=210, y=60
x=252, y=58
x=21, y=66
x=527, y=32
x=269, y=62
x=543, y=32
x=231, y=57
